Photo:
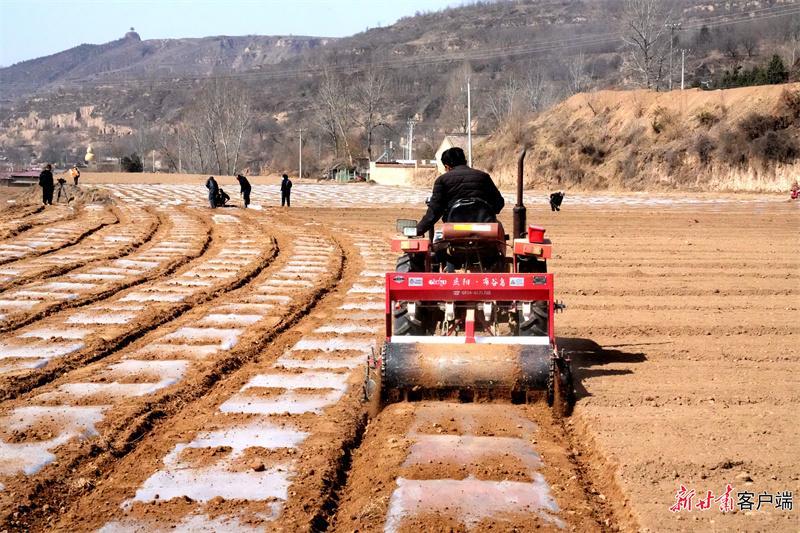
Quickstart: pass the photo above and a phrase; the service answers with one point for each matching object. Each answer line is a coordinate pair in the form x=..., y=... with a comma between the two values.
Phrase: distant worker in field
x=555, y=200
x=46, y=183
x=213, y=191
x=471, y=191
x=245, y=189
x=75, y=174
x=795, y=190
x=222, y=198
x=286, y=191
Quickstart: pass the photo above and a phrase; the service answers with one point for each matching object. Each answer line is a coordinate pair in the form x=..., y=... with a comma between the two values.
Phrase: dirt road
x=241, y=409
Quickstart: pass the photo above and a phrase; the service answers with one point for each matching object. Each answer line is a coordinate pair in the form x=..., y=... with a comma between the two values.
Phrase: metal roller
x=431, y=367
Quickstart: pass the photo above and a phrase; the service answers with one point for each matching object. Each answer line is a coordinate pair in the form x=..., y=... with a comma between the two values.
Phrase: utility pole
x=154, y=161
x=300, y=155
x=683, y=65
x=672, y=27
x=469, y=123
x=410, y=146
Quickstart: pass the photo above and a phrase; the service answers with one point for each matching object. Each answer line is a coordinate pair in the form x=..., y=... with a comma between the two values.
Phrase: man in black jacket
x=245, y=189
x=460, y=182
x=46, y=183
x=286, y=191
x=213, y=191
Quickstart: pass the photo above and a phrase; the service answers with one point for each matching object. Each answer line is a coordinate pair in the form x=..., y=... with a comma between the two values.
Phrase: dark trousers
x=212, y=201
x=246, y=197
x=285, y=199
x=47, y=195
x=76, y=180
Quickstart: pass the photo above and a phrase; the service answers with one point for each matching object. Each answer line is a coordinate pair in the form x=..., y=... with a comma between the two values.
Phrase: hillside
x=745, y=139
x=133, y=58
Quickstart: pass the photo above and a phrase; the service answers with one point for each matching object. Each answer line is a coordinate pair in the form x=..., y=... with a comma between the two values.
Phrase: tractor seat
x=470, y=210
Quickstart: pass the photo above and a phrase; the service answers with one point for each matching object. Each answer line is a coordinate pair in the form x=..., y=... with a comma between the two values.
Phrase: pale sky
x=36, y=28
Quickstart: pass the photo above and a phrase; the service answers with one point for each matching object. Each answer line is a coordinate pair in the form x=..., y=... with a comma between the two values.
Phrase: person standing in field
x=46, y=183
x=75, y=174
x=286, y=191
x=213, y=191
x=245, y=189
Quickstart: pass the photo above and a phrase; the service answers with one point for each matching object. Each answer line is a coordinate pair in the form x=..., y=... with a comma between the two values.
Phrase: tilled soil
x=244, y=411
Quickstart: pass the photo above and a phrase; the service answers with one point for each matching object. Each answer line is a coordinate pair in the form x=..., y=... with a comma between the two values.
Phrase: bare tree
x=505, y=101
x=537, y=92
x=645, y=34
x=578, y=78
x=730, y=47
x=792, y=35
x=218, y=120
x=750, y=42
x=370, y=95
x=334, y=114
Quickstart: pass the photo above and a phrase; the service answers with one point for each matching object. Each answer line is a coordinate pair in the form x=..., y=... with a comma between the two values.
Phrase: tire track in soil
x=76, y=337
x=162, y=254
x=439, y=466
x=134, y=228
x=38, y=242
x=169, y=369
x=225, y=461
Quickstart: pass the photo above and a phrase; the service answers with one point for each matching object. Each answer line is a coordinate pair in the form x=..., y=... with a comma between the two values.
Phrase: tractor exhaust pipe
x=519, y=210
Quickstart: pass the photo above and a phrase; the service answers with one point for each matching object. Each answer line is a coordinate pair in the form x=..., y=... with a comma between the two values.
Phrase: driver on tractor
x=462, y=194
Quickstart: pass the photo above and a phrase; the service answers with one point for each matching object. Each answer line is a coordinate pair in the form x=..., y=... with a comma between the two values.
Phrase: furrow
x=37, y=242
x=135, y=227
x=135, y=388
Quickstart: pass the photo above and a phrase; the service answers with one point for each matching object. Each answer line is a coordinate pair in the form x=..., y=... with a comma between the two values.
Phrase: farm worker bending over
x=474, y=191
x=245, y=189
x=213, y=191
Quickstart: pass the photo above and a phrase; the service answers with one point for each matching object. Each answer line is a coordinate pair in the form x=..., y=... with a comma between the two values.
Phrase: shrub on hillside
x=706, y=118
x=595, y=154
x=789, y=104
x=665, y=122
x=776, y=146
x=703, y=147
x=756, y=125
x=733, y=148
x=673, y=157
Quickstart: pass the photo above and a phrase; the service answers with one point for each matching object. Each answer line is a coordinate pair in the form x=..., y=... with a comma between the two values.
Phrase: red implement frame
x=433, y=287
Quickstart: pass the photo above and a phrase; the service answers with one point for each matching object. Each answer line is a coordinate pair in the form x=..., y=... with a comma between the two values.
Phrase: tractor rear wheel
x=410, y=263
x=406, y=323
x=538, y=323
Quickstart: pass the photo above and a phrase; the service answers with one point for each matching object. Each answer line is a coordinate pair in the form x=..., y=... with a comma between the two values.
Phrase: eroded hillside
x=743, y=139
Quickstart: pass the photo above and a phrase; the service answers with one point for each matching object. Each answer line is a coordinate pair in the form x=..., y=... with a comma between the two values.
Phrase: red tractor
x=469, y=313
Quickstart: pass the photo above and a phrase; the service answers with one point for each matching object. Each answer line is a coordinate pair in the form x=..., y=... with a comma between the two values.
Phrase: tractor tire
x=410, y=263
x=407, y=324
x=404, y=323
x=538, y=323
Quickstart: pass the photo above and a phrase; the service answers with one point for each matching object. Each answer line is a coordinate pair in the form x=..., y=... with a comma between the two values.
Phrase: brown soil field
x=212, y=378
